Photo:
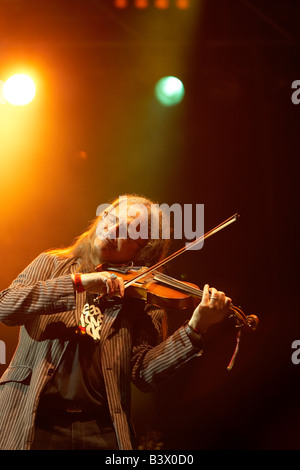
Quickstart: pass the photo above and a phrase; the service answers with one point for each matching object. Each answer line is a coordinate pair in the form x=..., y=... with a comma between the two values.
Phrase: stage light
x=161, y=4
x=182, y=4
x=19, y=90
x=169, y=91
x=121, y=4
x=141, y=4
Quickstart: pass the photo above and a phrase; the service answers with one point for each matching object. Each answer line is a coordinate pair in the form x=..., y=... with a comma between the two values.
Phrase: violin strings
x=179, y=284
x=197, y=292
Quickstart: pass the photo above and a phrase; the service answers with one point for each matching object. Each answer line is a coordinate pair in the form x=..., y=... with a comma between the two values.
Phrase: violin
x=164, y=291
x=157, y=288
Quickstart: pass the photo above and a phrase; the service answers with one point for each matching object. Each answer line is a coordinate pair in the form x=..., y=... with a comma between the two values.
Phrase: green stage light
x=169, y=91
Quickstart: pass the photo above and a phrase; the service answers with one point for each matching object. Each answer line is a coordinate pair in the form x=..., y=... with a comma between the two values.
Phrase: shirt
x=78, y=381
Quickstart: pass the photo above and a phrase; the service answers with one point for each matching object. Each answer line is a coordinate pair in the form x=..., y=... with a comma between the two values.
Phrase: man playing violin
x=83, y=340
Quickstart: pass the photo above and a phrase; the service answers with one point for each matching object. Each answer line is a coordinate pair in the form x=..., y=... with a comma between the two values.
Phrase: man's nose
x=118, y=230
x=113, y=230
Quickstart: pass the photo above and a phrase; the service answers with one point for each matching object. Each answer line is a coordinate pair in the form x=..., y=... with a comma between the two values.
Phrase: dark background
x=95, y=130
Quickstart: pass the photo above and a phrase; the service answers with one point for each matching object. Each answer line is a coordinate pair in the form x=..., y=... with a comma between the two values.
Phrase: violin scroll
x=249, y=321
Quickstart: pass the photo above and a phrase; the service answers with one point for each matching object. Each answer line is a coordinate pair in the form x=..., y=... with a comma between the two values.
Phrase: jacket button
x=51, y=372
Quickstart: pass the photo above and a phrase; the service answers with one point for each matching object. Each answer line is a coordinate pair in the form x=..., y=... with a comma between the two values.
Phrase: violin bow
x=251, y=321
x=179, y=252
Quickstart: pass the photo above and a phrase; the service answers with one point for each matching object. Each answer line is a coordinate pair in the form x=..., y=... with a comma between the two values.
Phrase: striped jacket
x=43, y=302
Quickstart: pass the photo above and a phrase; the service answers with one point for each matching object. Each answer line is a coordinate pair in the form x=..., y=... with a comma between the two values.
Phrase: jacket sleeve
x=36, y=292
x=153, y=362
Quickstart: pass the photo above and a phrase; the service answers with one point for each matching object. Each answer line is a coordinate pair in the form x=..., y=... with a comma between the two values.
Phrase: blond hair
x=83, y=248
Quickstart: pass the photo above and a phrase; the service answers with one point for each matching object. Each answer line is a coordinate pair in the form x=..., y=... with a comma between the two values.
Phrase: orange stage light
x=19, y=90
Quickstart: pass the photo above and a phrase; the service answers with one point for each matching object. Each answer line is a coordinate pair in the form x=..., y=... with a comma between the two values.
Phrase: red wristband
x=194, y=335
x=195, y=330
x=78, y=284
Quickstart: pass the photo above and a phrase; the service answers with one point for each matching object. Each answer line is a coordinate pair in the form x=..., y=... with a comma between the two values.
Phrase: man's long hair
x=83, y=249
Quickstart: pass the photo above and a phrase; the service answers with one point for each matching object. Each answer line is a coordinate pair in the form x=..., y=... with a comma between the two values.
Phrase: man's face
x=118, y=241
